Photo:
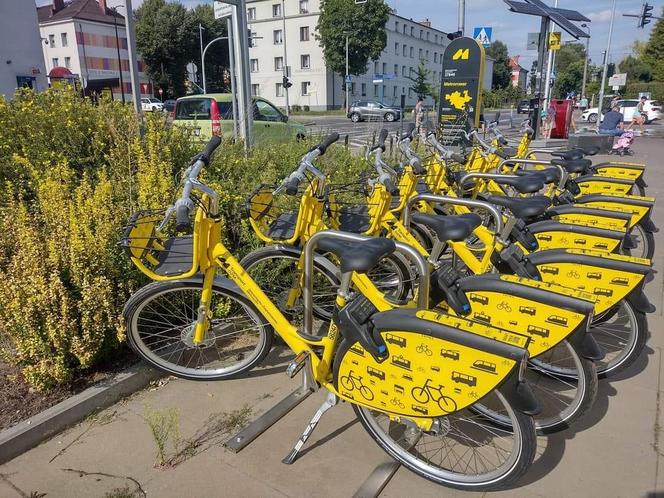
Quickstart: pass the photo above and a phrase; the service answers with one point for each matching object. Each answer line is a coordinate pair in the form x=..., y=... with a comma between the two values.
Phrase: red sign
x=35, y=70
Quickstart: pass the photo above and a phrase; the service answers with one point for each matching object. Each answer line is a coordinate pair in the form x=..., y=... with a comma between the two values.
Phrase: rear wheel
x=592, y=118
x=622, y=333
x=390, y=116
x=160, y=321
x=462, y=450
x=645, y=242
x=355, y=117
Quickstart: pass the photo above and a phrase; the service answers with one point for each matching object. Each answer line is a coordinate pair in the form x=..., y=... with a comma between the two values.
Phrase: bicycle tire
x=521, y=455
x=177, y=336
x=324, y=300
x=633, y=346
x=647, y=240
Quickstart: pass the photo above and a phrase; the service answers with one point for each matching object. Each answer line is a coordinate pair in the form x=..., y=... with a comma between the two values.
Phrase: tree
x=216, y=58
x=165, y=38
x=636, y=69
x=365, y=26
x=569, y=54
x=569, y=80
x=652, y=54
x=420, y=84
x=501, y=70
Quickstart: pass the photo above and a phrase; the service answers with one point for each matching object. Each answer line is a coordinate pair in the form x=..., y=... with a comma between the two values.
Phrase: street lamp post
x=606, y=66
x=200, y=38
x=203, y=58
x=585, y=63
x=133, y=61
x=285, y=62
x=346, y=79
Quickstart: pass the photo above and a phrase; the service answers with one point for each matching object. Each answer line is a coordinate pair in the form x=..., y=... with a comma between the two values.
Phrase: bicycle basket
x=155, y=253
x=274, y=219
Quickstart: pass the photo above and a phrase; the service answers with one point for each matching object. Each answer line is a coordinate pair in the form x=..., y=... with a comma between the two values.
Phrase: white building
x=314, y=85
x=80, y=35
x=21, y=62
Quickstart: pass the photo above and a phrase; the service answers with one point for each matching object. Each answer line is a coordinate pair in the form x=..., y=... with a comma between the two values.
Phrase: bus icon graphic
x=469, y=380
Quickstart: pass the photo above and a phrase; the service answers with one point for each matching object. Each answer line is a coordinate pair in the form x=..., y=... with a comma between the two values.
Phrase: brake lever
x=169, y=213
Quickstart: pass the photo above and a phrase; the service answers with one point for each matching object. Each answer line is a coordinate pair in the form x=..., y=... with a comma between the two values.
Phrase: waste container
x=564, y=110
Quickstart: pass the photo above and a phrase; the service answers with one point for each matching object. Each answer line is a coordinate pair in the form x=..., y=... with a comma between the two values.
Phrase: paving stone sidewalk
x=616, y=451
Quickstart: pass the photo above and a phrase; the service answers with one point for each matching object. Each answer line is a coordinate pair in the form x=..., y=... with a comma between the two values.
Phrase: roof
x=79, y=9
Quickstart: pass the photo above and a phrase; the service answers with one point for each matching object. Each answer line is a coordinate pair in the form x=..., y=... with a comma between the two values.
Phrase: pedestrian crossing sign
x=483, y=35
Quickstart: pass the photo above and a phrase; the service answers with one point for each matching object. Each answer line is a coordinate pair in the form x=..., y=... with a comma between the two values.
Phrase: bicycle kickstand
x=331, y=401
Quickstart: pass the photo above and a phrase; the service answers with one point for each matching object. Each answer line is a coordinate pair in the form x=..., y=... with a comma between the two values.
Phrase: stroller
x=623, y=144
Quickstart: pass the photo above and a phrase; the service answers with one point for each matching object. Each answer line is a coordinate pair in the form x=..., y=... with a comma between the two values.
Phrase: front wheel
x=592, y=118
x=389, y=117
x=160, y=320
x=355, y=117
x=463, y=450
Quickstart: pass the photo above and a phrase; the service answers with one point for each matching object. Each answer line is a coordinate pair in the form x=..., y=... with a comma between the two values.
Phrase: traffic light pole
x=606, y=67
x=346, y=79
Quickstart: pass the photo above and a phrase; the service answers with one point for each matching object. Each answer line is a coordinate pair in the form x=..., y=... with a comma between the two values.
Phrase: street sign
x=555, y=39
x=533, y=41
x=377, y=78
x=483, y=35
x=222, y=10
x=460, y=100
x=619, y=79
x=349, y=79
x=388, y=76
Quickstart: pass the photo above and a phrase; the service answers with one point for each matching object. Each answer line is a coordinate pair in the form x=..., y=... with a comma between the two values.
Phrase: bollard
x=373, y=139
x=346, y=141
x=391, y=146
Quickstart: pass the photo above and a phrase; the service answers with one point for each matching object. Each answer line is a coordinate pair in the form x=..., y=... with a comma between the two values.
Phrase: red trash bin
x=564, y=110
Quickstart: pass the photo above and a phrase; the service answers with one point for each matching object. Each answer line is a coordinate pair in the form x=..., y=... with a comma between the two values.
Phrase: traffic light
x=646, y=15
x=286, y=82
x=611, y=70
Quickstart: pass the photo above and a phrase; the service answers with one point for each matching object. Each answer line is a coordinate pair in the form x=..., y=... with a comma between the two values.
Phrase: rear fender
x=636, y=206
x=591, y=184
x=555, y=235
x=609, y=277
x=580, y=215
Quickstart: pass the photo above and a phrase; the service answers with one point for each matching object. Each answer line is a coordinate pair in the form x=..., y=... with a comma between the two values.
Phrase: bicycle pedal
x=297, y=363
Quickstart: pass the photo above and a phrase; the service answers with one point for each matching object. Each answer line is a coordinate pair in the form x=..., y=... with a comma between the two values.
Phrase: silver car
x=363, y=110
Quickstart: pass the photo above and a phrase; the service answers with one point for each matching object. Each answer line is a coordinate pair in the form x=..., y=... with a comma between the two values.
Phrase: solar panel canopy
x=561, y=17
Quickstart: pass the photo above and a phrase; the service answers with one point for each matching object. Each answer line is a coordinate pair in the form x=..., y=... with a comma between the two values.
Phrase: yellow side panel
x=567, y=240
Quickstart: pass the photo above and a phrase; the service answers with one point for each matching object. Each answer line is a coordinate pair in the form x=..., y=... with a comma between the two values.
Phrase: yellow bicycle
x=195, y=324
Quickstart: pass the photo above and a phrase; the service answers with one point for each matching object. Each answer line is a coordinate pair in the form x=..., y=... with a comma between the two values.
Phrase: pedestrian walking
x=640, y=116
x=419, y=113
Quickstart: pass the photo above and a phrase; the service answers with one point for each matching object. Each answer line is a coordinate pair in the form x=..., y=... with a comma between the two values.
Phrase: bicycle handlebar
x=211, y=146
x=292, y=182
x=409, y=132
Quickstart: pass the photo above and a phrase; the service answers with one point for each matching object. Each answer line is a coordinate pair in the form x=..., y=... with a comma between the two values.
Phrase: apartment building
x=83, y=36
x=21, y=62
x=285, y=31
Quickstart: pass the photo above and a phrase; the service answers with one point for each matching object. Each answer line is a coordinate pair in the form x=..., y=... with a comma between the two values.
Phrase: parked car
x=363, y=110
x=151, y=104
x=169, y=105
x=212, y=114
x=627, y=108
x=524, y=107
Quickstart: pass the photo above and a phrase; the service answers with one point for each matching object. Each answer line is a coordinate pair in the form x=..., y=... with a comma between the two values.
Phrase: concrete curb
x=29, y=433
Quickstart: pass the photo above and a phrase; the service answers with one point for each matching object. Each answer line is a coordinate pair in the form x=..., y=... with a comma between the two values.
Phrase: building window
x=305, y=61
x=364, y=89
x=435, y=56
x=403, y=71
x=279, y=90
x=435, y=38
x=412, y=52
x=384, y=67
x=396, y=69
x=63, y=39
x=305, y=87
x=68, y=62
x=396, y=49
x=420, y=54
x=412, y=31
x=384, y=90
x=252, y=39
x=375, y=90
x=304, y=6
x=375, y=67
x=278, y=63
x=276, y=10
x=394, y=91
x=55, y=62
x=304, y=33
x=428, y=35
x=255, y=90
x=421, y=34
x=251, y=14
x=51, y=41
x=405, y=50
x=277, y=36
x=352, y=88
x=427, y=55
x=396, y=26
x=254, y=65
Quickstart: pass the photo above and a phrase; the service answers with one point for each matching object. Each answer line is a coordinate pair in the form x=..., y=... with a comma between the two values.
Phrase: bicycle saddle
x=548, y=175
x=589, y=151
x=574, y=165
x=453, y=228
x=359, y=257
x=510, y=151
x=568, y=155
x=523, y=208
x=524, y=185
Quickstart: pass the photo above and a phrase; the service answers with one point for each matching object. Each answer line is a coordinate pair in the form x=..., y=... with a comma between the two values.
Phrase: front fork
x=203, y=313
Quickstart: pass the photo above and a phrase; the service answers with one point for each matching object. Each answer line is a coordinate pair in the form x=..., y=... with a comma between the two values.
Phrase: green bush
x=656, y=88
x=72, y=173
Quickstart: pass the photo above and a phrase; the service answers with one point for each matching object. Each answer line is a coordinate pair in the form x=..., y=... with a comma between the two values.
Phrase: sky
x=511, y=28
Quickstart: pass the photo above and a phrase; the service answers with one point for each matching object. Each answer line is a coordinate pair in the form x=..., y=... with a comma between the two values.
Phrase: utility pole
x=585, y=63
x=606, y=66
x=133, y=61
x=346, y=79
x=245, y=104
x=462, y=16
x=549, y=70
x=200, y=38
x=231, y=60
x=285, y=63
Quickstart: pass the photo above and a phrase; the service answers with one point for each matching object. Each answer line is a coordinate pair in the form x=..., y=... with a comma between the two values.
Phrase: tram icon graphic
x=478, y=298
x=452, y=354
x=484, y=366
x=542, y=332
x=401, y=362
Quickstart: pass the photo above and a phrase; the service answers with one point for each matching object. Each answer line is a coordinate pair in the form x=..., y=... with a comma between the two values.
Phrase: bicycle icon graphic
x=573, y=274
x=397, y=402
x=423, y=348
x=351, y=382
x=504, y=306
x=427, y=393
